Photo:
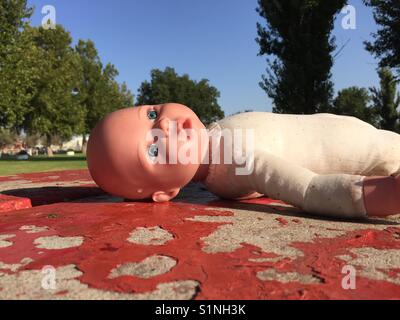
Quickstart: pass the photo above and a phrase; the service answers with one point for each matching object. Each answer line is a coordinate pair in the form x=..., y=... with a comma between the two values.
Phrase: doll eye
x=152, y=115
x=153, y=151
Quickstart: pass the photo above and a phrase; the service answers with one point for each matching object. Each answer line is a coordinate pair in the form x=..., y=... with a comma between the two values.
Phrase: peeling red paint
x=106, y=227
x=9, y=203
x=48, y=187
x=282, y=221
x=322, y=253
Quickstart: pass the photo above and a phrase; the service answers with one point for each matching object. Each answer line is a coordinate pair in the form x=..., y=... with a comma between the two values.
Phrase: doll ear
x=164, y=196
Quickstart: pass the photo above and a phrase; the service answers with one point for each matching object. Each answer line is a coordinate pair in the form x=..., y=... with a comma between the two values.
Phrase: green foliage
x=18, y=63
x=167, y=86
x=13, y=17
x=31, y=141
x=48, y=88
x=99, y=93
x=299, y=47
x=354, y=101
x=386, y=101
x=55, y=108
x=6, y=138
x=386, y=44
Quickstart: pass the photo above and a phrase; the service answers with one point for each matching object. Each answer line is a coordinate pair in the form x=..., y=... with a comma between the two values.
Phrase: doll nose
x=164, y=125
x=182, y=124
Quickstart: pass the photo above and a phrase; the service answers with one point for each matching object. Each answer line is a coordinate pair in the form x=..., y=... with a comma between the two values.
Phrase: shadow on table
x=198, y=195
x=49, y=195
x=194, y=194
x=292, y=212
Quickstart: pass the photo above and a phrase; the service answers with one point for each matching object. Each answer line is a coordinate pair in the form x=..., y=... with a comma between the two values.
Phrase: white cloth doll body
x=315, y=162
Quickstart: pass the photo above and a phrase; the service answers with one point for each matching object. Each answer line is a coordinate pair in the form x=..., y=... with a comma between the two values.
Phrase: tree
x=386, y=44
x=354, y=101
x=47, y=88
x=98, y=90
x=14, y=15
x=112, y=96
x=125, y=95
x=299, y=47
x=167, y=86
x=18, y=63
x=30, y=141
x=6, y=138
x=55, y=108
x=386, y=101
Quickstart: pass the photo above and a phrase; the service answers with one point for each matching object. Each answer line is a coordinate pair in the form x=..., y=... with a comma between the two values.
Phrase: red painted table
x=63, y=238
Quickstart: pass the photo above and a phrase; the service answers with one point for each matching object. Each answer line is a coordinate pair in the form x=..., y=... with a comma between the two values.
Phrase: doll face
x=135, y=152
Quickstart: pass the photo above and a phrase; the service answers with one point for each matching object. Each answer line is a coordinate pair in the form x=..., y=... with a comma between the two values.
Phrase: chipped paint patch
x=56, y=242
x=150, y=267
x=26, y=184
x=223, y=274
x=27, y=285
x=53, y=177
x=154, y=236
x=375, y=264
x=286, y=277
x=14, y=184
x=35, y=189
x=281, y=204
x=33, y=229
x=16, y=266
x=264, y=230
x=4, y=243
x=263, y=260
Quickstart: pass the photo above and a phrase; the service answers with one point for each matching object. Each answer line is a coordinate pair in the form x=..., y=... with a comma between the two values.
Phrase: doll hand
x=382, y=196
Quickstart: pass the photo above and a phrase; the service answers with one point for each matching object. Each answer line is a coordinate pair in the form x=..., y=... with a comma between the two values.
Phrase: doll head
x=134, y=152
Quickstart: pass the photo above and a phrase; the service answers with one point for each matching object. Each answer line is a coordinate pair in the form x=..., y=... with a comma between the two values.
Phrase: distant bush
x=6, y=138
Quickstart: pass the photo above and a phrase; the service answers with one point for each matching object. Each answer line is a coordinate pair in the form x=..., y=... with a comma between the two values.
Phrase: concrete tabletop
x=61, y=237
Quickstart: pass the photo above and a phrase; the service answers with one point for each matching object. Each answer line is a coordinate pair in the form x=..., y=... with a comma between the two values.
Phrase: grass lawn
x=42, y=163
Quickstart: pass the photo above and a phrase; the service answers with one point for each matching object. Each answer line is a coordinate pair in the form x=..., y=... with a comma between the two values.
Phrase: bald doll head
x=141, y=152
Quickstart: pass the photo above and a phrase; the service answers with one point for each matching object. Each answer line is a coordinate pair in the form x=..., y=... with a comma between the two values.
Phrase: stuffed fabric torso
x=316, y=162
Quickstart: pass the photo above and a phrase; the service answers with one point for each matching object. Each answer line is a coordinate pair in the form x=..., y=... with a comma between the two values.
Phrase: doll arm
x=338, y=195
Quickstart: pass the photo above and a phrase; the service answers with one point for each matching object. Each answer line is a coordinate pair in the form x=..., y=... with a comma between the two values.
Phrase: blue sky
x=212, y=39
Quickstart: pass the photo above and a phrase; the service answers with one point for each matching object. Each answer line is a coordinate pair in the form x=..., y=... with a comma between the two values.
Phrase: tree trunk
x=49, y=151
x=84, y=144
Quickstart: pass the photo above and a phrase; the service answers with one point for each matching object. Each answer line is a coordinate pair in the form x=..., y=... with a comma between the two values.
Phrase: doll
x=324, y=164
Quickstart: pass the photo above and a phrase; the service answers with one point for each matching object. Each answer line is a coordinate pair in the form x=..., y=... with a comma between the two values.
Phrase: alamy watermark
x=349, y=280
x=49, y=278
x=349, y=21
x=189, y=146
x=49, y=19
